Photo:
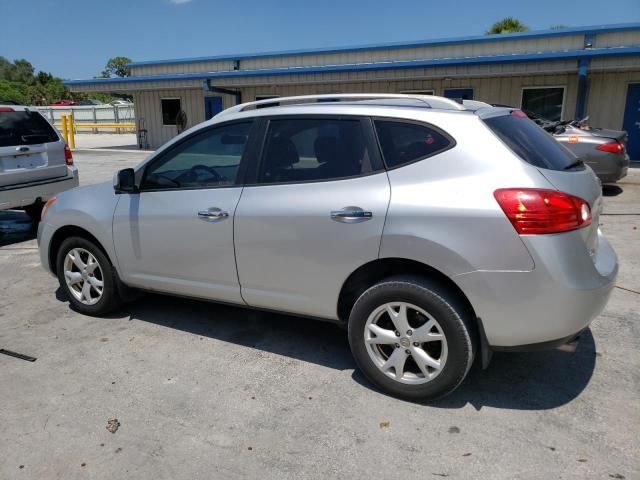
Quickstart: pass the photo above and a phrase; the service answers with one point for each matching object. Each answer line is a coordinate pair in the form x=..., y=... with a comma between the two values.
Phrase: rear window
x=25, y=128
x=403, y=142
x=530, y=142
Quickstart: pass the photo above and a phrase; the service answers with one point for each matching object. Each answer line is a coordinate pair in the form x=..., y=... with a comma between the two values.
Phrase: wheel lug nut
x=409, y=332
x=397, y=345
x=397, y=333
x=408, y=352
x=416, y=344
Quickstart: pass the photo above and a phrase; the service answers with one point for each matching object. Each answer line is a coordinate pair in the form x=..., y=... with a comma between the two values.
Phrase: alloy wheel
x=405, y=343
x=83, y=276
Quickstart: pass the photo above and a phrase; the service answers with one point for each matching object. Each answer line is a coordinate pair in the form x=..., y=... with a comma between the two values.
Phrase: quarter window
x=170, y=109
x=403, y=142
x=299, y=150
x=208, y=159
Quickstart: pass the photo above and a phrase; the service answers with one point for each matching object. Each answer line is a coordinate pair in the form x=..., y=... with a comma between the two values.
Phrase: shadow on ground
x=521, y=381
x=15, y=227
x=611, y=190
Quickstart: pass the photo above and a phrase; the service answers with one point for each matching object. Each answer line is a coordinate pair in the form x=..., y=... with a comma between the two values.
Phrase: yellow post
x=65, y=132
x=72, y=133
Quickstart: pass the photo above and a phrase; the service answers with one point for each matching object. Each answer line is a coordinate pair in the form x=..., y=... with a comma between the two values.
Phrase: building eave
x=376, y=66
x=593, y=29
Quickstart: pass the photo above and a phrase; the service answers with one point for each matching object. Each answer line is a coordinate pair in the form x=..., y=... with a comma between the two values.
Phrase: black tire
x=455, y=321
x=34, y=211
x=111, y=297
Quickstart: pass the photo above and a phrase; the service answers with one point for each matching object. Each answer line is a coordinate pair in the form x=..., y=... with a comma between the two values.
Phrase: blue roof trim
x=395, y=45
x=481, y=60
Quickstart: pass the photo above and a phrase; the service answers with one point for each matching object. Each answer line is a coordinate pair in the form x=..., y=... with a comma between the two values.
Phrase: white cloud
x=179, y=2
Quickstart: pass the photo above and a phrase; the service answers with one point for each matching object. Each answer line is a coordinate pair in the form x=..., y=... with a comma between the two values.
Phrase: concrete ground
x=205, y=391
x=125, y=141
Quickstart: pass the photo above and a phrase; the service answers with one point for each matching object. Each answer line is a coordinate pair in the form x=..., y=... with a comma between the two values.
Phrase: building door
x=212, y=106
x=631, y=121
x=463, y=93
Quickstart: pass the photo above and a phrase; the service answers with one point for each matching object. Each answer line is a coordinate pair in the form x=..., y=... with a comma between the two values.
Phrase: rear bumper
x=612, y=168
x=567, y=289
x=18, y=196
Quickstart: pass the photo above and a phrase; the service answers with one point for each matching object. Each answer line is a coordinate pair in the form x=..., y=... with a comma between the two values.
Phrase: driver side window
x=208, y=159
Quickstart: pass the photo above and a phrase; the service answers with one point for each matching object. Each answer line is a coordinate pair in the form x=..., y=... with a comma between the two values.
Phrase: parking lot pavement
x=207, y=391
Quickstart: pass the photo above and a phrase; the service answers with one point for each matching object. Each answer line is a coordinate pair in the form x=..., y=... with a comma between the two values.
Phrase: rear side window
x=25, y=128
x=314, y=149
x=403, y=142
x=530, y=142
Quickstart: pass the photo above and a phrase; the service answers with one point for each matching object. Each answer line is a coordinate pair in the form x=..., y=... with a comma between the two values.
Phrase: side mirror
x=125, y=181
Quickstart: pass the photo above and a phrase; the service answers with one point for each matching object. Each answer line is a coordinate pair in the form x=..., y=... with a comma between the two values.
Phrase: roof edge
x=401, y=64
x=396, y=45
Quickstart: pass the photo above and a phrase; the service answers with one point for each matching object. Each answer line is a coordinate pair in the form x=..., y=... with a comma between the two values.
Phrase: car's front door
x=314, y=213
x=176, y=235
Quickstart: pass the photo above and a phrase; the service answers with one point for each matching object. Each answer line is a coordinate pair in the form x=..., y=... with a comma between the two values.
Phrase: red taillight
x=6, y=109
x=68, y=156
x=535, y=211
x=518, y=113
x=611, y=147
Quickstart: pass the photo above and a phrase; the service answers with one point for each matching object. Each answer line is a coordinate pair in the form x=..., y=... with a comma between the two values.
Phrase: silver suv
x=436, y=231
x=35, y=162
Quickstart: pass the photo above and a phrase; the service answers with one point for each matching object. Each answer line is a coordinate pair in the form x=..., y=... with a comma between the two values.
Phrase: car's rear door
x=30, y=148
x=176, y=235
x=313, y=213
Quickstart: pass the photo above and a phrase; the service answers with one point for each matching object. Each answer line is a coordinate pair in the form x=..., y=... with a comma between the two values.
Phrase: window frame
x=162, y=114
x=546, y=87
x=242, y=167
x=253, y=170
x=452, y=141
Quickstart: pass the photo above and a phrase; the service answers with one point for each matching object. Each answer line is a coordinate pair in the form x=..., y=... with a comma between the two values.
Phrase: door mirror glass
x=125, y=181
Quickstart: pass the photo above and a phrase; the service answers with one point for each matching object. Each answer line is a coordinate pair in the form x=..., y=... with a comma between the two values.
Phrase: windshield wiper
x=576, y=163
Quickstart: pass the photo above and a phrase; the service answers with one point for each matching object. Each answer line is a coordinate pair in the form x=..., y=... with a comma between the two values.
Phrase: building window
x=267, y=97
x=170, y=109
x=419, y=92
x=546, y=102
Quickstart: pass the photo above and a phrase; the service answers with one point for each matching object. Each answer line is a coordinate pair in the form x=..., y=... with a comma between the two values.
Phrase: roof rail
x=430, y=101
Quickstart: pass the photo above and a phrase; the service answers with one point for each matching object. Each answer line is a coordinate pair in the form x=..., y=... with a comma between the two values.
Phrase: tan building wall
x=504, y=90
x=607, y=96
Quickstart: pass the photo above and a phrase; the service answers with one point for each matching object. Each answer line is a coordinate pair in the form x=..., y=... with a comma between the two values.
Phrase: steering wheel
x=201, y=173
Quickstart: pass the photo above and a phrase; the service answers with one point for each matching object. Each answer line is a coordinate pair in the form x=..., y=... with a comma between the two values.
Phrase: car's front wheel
x=87, y=277
x=412, y=338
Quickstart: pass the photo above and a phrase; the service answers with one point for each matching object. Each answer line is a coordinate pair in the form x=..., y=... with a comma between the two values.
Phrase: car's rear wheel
x=412, y=338
x=87, y=277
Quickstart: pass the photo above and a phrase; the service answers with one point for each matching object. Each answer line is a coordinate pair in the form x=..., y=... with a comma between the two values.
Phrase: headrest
x=328, y=149
x=281, y=153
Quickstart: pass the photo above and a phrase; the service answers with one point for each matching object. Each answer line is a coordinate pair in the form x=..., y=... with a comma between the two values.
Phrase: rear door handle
x=212, y=214
x=351, y=215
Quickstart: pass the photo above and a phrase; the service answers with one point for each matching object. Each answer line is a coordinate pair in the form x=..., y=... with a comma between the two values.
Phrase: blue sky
x=74, y=38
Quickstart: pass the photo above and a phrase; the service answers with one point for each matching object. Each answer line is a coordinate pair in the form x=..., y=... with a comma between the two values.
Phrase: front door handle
x=212, y=214
x=351, y=215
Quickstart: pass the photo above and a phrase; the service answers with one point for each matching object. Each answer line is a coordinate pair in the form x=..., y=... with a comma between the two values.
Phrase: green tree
x=507, y=25
x=116, y=66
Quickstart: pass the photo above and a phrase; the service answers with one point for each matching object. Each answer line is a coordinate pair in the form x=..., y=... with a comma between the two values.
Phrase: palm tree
x=507, y=25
